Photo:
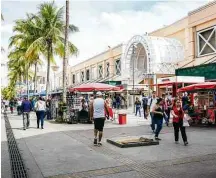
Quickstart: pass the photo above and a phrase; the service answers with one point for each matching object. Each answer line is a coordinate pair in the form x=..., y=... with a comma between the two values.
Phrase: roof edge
x=202, y=8
x=97, y=55
x=168, y=25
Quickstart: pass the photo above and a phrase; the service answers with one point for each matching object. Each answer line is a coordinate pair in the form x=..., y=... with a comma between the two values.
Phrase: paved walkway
x=62, y=150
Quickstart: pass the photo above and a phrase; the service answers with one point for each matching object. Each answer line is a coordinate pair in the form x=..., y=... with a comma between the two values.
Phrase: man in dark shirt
x=26, y=109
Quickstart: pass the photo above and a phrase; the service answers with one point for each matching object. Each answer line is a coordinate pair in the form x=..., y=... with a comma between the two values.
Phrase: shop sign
x=135, y=92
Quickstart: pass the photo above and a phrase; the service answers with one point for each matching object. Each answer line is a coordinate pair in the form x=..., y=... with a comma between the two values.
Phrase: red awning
x=199, y=86
x=89, y=87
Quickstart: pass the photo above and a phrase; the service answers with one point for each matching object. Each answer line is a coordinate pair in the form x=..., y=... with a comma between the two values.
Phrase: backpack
x=145, y=101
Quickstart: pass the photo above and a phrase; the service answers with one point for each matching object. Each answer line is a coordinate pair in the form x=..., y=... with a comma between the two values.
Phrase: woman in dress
x=178, y=116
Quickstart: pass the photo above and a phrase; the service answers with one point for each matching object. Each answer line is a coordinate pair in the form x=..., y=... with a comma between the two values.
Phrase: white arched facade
x=150, y=55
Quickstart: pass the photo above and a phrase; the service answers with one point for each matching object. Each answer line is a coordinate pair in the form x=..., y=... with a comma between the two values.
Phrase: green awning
x=207, y=70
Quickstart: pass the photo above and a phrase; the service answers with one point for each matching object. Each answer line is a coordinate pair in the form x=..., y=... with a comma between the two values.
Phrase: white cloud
x=100, y=28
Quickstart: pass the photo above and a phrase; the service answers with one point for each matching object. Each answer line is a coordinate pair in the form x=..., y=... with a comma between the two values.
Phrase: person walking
x=138, y=106
x=19, y=104
x=151, y=102
x=48, y=108
x=178, y=116
x=97, y=113
x=26, y=108
x=158, y=115
x=145, y=105
x=11, y=104
x=40, y=107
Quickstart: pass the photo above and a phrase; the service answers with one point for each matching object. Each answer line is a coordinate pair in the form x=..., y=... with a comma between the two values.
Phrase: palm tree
x=50, y=26
x=65, y=60
x=25, y=35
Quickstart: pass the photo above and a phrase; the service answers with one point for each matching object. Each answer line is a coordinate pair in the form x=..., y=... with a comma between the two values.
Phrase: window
x=206, y=41
x=82, y=76
x=87, y=75
x=78, y=77
x=100, y=71
x=107, y=69
x=73, y=78
x=118, y=67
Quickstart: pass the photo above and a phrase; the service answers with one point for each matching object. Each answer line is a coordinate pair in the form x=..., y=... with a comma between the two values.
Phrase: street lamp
x=133, y=70
x=55, y=69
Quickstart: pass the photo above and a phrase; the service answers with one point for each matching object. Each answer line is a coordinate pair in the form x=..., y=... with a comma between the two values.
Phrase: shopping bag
x=185, y=120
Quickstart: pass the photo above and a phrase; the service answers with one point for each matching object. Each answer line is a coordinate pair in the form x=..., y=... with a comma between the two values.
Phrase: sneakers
x=156, y=138
x=185, y=143
x=99, y=144
x=95, y=141
x=176, y=142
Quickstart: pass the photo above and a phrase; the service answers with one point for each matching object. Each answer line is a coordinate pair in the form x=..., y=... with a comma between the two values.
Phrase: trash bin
x=122, y=119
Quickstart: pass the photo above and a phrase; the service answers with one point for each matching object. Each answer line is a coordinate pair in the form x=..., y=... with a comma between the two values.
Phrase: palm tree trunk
x=27, y=78
x=35, y=80
x=65, y=60
x=48, y=67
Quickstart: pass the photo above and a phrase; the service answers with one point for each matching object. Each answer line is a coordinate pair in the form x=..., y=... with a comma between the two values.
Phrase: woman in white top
x=40, y=107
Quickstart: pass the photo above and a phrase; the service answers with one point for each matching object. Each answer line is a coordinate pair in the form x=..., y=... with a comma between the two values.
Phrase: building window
x=206, y=41
x=87, y=75
x=78, y=77
x=107, y=69
x=82, y=76
x=73, y=78
x=100, y=71
x=118, y=67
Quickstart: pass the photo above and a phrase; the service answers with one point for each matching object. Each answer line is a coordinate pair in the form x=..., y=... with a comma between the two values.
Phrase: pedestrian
x=158, y=115
x=19, y=104
x=151, y=102
x=168, y=108
x=137, y=106
x=11, y=104
x=26, y=108
x=6, y=104
x=40, y=107
x=48, y=108
x=145, y=105
x=97, y=113
x=178, y=116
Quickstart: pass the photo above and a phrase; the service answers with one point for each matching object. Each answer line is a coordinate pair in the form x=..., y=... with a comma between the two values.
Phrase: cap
x=99, y=93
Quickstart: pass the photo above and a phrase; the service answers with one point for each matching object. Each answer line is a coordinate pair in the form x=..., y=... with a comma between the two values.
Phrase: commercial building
x=189, y=42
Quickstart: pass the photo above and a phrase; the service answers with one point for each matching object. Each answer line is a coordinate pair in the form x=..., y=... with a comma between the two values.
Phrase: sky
x=102, y=23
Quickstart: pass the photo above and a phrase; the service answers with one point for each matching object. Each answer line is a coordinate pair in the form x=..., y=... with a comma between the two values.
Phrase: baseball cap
x=99, y=93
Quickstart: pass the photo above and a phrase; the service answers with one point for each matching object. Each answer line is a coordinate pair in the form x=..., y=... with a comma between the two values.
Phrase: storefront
x=170, y=85
x=206, y=70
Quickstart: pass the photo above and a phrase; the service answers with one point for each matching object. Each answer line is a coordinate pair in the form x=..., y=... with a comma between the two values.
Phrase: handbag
x=185, y=120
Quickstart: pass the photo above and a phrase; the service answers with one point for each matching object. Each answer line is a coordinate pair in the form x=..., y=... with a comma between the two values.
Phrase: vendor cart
x=204, y=102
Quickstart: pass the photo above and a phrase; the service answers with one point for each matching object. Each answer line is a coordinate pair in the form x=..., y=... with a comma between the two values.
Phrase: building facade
x=189, y=42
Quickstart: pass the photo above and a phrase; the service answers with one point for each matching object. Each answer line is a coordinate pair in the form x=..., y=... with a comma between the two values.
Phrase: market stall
x=204, y=101
x=83, y=115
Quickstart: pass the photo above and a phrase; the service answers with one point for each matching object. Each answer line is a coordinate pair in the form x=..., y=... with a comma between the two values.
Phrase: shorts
x=99, y=124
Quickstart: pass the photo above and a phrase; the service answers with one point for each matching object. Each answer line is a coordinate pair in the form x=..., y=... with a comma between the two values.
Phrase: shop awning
x=94, y=87
x=199, y=86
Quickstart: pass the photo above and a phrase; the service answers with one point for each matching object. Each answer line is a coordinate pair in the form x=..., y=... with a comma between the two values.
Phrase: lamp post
x=133, y=70
x=55, y=69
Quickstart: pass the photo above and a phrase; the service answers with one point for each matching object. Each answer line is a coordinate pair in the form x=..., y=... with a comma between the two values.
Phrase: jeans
x=26, y=121
x=138, y=110
x=168, y=115
x=40, y=118
x=152, y=121
x=145, y=111
x=159, y=123
x=48, y=113
x=180, y=126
